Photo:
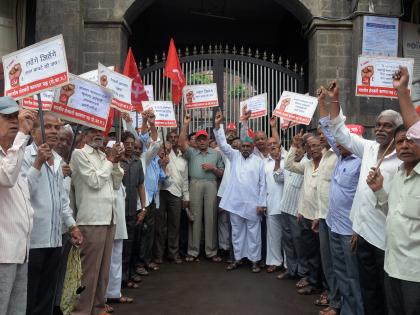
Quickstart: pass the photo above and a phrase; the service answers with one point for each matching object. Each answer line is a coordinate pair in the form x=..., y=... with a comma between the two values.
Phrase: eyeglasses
x=10, y=116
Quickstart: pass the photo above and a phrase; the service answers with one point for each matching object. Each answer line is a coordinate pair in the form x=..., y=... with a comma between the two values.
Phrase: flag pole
x=41, y=117
x=73, y=143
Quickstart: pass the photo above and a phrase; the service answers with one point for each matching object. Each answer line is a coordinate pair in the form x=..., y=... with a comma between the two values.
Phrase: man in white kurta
x=244, y=197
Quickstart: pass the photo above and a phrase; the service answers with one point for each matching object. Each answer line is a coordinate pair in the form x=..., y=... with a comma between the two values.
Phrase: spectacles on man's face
x=10, y=116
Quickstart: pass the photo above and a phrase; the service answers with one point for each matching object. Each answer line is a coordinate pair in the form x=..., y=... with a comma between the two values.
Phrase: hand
x=144, y=117
x=208, y=167
x=297, y=141
x=246, y=114
x=187, y=119
x=333, y=90
x=401, y=78
x=185, y=204
x=140, y=216
x=321, y=93
x=299, y=218
x=375, y=180
x=218, y=119
x=273, y=122
x=151, y=118
x=116, y=152
x=261, y=210
x=43, y=155
x=127, y=118
x=76, y=236
x=26, y=120
x=163, y=162
x=66, y=170
x=315, y=226
x=353, y=242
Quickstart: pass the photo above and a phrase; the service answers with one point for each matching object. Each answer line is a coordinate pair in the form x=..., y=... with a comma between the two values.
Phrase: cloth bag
x=72, y=282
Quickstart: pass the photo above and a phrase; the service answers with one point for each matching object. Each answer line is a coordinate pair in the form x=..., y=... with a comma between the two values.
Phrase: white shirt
x=246, y=189
x=226, y=176
x=275, y=185
x=16, y=213
x=120, y=225
x=177, y=171
x=325, y=172
x=368, y=220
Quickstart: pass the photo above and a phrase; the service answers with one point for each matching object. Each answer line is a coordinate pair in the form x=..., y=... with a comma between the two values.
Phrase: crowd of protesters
x=337, y=213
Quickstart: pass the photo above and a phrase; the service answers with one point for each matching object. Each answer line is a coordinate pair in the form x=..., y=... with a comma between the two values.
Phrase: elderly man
x=402, y=209
x=245, y=197
x=50, y=201
x=95, y=178
x=368, y=221
x=205, y=166
x=308, y=207
x=16, y=213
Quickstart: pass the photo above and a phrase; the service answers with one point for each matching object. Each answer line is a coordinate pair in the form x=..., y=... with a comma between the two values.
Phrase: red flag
x=174, y=72
x=138, y=93
x=109, y=122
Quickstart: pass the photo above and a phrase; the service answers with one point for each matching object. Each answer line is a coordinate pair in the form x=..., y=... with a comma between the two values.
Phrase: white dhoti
x=115, y=271
x=274, y=248
x=223, y=230
x=246, y=238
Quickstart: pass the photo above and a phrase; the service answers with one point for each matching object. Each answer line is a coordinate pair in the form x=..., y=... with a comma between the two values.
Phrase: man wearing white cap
x=16, y=213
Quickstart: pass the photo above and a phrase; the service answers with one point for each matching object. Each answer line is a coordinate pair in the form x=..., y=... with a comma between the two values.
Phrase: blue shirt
x=343, y=186
x=154, y=175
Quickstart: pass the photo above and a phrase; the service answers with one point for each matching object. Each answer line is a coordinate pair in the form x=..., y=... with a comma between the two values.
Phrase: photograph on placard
x=36, y=68
x=200, y=96
x=93, y=74
x=296, y=107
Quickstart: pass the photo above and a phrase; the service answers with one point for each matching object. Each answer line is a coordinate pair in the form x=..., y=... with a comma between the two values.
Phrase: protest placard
x=256, y=104
x=296, y=107
x=380, y=36
x=31, y=102
x=93, y=74
x=200, y=96
x=164, y=112
x=374, y=75
x=137, y=119
x=36, y=68
x=119, y=84
x=285, y=124
x=83, y=102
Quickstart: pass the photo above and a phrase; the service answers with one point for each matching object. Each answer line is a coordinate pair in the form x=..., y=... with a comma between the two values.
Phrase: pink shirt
x=414, y=132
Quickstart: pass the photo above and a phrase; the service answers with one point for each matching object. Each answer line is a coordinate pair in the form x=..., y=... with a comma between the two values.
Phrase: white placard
x=380, y=36
x=120, y=85
x=296, y=107
x=83, y=102
x=256, y=104
x=36, y=68
x=411, y=46
x=31, y=102
x=164, y=112
x=374, y=75
x=93, y=74
x=137, y=119
x=200, y=96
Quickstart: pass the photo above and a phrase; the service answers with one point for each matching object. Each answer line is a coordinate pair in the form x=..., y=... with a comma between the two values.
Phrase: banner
x=83, y=102
x=200, y=96
x=374, y=75
x=36, y=68
x=380, y=36
x=164, y=112
x=120, y=85
x=256, y=104
x=296, y=107
x=31, y=102
x=93, y=74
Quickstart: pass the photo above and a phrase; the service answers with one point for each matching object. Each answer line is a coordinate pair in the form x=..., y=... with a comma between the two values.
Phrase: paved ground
x=206, y=288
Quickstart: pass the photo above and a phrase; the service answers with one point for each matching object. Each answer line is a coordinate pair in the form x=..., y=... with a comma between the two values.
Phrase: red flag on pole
x=138, y=93
x=174, y=72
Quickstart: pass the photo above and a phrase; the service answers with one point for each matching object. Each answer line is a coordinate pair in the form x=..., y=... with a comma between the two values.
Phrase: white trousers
x=113, y=290
x=223, y=230
x=274, y=248
x=246, y=238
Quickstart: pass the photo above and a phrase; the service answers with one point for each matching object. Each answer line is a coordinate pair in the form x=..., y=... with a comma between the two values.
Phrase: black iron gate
x=238, y=75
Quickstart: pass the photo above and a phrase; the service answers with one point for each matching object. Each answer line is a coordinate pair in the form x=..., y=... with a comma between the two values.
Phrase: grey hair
x=68, y=128
x=395, y=116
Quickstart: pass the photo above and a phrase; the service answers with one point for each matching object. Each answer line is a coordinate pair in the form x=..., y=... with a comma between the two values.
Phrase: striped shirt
x=291, y=192
x=16, y=213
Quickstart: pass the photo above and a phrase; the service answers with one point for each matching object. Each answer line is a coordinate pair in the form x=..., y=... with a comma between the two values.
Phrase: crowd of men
x=337, y=213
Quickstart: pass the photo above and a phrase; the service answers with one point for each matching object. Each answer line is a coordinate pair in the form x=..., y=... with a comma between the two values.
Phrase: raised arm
x=183, y=135
x=245, y=115
x=290, y=163
x=220, y=137
x=274, y=131
x=400, y=83
x=324, y=119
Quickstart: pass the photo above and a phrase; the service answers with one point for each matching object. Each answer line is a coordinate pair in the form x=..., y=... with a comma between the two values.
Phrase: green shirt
x=196, y=158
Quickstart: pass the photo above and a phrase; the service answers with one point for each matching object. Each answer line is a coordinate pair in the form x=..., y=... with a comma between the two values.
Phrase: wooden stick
x=383, y=155
x=73, y=143
x=41, y=118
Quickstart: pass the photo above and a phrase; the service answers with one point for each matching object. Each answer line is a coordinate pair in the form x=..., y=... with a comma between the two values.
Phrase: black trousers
x=403, y=297
x=147, y=235
x=311, y=258
x=131, y=247
x=183, y=234
x=43, y=270
x=371, y=274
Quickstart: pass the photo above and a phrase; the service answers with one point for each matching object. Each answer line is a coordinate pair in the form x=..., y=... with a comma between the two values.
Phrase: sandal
x=285, y=276
x=308, y=290
x=329, y=311
x=132, y=285
x=136, y=278
x=233, y=265
x=158, y=261
x=302, y=283
x=190, y=258
x=323, y=299
x=255, y=268
x=121, y=300
x=153, y=266
x=108, y=309
x=216, y=259
x=142, y=271
x=272, y=269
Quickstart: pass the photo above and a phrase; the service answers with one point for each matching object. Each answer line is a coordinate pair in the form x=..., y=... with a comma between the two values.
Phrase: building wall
x=7, y=27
